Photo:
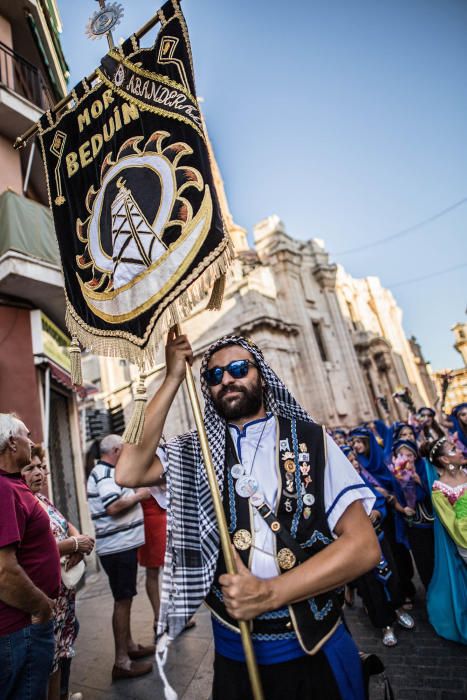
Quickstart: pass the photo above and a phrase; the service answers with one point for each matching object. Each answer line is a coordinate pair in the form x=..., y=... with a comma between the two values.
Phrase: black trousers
x=305, y=678
x=381, y=600
x=401, y=556
x=422, y=544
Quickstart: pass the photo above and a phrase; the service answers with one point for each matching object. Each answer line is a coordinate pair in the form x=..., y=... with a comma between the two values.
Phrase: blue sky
x=345, y=118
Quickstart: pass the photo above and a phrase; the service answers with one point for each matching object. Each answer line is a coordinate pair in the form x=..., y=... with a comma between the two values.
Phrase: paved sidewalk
x=421, y=667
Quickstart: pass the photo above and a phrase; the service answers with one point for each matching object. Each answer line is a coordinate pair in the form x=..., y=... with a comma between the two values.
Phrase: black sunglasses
x=237, y=369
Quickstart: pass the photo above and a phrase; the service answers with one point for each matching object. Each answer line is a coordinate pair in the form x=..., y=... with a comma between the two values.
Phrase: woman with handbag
x=72, y=547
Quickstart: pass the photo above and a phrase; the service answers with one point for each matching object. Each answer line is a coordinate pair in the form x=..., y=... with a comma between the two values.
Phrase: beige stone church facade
x=337, y=342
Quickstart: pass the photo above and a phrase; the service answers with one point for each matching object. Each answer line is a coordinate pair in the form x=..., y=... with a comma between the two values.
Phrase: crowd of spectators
x=417, y=471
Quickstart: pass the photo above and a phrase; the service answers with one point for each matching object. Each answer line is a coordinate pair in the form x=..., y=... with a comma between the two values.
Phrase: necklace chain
x=256, y=448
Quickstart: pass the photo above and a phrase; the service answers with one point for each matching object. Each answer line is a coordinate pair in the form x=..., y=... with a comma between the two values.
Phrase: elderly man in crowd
x=119, y=525
x=29, y=573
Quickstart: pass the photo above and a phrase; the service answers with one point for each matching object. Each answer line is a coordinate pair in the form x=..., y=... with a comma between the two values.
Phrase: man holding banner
x=142, y=241
x=296, y=515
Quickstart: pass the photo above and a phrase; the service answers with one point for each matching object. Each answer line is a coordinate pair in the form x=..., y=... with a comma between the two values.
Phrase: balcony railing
x=17, y=74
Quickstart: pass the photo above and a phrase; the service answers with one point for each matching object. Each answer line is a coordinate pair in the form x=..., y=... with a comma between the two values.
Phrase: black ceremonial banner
x=136, y=214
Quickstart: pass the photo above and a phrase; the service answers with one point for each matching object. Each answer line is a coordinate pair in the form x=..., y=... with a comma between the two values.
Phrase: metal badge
x=305, y=468
x=275, y=525
x=104, y=20
x=242, y=539
x=288, y=455
x=306, y=512
x=284, y=445
x=303, y=447
x=237, y=471
x=257, y=499
x=289, y=466
x=286, y=558
x=246, y=486
x=308, y=499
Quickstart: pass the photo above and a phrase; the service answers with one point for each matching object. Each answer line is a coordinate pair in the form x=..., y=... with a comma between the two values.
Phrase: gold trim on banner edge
x=124, y=345
x=145, y=107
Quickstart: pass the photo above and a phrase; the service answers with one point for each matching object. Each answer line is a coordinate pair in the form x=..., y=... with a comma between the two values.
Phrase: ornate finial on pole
x=104, y=20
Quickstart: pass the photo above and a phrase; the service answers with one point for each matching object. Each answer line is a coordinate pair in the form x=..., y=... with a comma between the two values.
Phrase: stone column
x=284, y=257
x=347, y=369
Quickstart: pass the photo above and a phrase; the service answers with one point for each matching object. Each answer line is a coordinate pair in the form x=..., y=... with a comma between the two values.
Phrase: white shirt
x=159, y=493
x=114, y=533
x=342, y=485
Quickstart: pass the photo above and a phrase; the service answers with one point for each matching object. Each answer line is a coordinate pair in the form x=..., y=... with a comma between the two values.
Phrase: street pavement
x=421, y=667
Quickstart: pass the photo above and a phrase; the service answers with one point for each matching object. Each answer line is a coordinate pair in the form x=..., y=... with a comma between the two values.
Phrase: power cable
x=426, y=277
x=404, y=231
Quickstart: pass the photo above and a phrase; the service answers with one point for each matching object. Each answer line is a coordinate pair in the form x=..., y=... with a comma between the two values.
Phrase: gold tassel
x=75, y=362
x=217, y=294
x=134, y=430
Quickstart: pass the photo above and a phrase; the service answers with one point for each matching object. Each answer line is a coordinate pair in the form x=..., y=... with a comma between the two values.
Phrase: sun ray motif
x=154, y=142
x=187, y=176
x=130, y=146
x=91, y=195
x=81, y=230
x=176, y=151
x=135, y=244
x=106, y=164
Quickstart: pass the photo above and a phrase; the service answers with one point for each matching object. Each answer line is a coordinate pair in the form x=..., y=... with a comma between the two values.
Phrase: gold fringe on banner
x=142, y=351
x=134, y=430
x=217, y=294
x=75, y=362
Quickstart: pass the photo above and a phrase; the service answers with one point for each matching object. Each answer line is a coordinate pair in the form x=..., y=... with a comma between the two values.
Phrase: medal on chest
x=246, y=486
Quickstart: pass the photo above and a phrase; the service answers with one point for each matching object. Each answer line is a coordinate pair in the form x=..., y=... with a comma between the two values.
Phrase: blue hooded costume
x=423, y=490
x=457, y=427
x=374, y=463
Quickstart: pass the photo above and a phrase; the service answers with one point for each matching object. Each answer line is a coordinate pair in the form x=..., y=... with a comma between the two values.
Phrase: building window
x=320, y=340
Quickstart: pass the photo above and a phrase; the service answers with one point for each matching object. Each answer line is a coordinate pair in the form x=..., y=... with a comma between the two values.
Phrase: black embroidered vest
x=300, y=465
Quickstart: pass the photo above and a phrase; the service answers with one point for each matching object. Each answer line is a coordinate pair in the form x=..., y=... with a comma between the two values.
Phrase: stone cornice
x=326, y=275
x=269, y=323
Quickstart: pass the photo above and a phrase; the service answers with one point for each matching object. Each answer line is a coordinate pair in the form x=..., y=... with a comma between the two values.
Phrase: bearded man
x=297, y=515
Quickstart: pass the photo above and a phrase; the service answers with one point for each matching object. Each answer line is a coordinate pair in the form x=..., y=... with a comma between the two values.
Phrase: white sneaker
x=389, y=638
x=405, y=620
x=75, y=696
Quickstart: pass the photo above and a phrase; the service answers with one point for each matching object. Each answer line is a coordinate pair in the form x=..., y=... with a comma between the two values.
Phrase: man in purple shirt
x=29, y=573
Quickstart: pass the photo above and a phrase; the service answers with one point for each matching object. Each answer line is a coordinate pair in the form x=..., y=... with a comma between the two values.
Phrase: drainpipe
x=47, y=408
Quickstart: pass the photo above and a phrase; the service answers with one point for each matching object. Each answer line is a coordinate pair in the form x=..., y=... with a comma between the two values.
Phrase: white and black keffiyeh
x=192, y=533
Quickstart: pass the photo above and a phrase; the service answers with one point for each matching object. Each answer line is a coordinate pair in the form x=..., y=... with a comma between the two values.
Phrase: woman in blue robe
x=458, y=424
x=397, y=431
x=414, y=496
x=371, y=459
x=380, y=588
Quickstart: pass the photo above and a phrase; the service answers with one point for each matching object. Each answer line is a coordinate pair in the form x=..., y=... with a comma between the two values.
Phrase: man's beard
x=248, y=404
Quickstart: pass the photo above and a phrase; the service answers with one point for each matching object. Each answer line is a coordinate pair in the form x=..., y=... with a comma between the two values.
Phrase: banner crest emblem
x=135, y=208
